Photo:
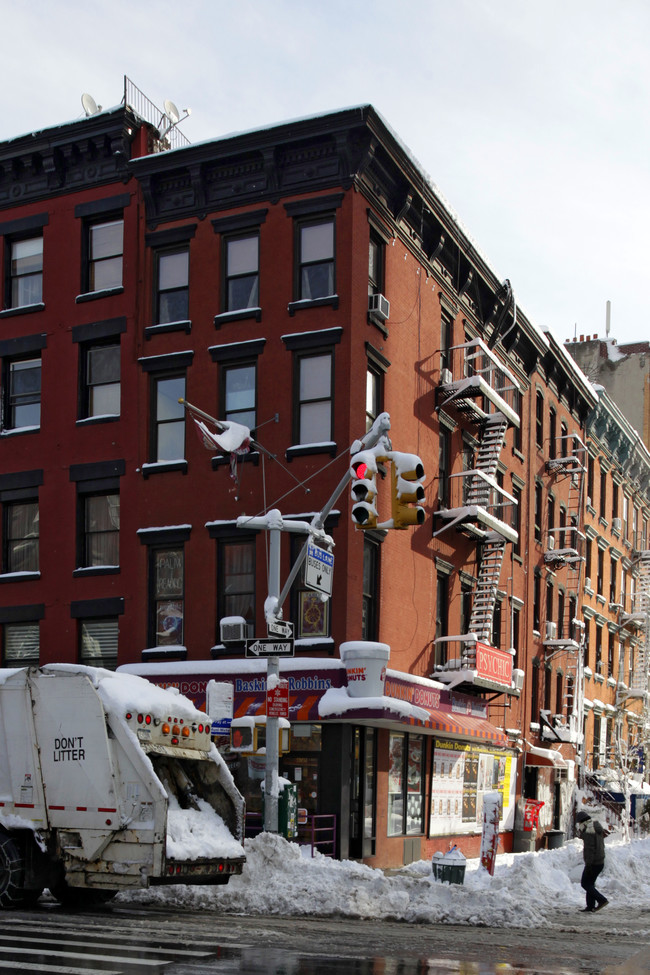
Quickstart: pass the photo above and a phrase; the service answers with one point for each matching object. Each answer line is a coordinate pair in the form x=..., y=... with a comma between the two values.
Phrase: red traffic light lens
x=361, y=469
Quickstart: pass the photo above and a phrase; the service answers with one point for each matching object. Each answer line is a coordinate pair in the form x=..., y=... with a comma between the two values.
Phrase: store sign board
x=494, y=665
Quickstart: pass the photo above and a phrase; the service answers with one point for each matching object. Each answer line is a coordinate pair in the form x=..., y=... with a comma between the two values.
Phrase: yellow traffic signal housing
x=407, y=489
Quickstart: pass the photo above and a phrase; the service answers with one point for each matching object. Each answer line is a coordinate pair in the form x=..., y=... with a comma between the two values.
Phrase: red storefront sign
x=493, y=664
x=277, y=700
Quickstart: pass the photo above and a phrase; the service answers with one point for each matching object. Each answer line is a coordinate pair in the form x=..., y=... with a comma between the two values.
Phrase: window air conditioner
x=551, y=631
x=518, y=679
x=587, y=582
x=234, y=629
x=446, y=377
x=551, y=543
x=379, y=307
x=617, y=524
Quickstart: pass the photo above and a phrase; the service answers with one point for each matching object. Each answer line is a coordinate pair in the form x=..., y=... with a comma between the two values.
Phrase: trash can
x=449, y=867
x=554, y=839
x=287, y=810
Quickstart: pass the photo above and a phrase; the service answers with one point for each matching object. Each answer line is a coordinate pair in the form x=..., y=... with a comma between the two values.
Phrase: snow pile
x=194, y=833
x=281, y=878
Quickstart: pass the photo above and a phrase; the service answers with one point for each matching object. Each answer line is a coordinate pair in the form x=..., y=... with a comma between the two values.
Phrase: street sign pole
x=272, y=671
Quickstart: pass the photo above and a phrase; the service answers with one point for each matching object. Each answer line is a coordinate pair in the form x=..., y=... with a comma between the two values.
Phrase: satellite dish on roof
x=171, y=111
x=90, y=105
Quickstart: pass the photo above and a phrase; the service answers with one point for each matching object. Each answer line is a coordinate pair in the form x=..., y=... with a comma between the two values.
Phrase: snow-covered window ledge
x=241, y=315
x=303, y=303
x=164, y=467
x=22, y=309
x=164, y=653
x=96, y=570
x=95, y=295
x=88, y=421
x=19, y=576
x=304, y=449
x=184, y=326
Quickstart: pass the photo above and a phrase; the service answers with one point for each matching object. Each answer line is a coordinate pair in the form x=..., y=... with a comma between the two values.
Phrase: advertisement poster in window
x=313, y=614
x=462, y=774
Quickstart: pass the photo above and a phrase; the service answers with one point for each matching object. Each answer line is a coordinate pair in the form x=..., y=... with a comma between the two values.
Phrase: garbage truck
x=108, y=782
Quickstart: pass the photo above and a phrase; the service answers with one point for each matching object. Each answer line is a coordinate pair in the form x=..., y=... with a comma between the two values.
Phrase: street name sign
x=319, y=569
x=280, y=628
x=270, y=648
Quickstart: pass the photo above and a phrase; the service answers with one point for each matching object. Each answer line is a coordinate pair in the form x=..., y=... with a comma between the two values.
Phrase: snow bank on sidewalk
x=281, y=878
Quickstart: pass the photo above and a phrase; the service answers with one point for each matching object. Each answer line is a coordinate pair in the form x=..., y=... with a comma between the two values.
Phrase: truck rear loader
x=108, y=783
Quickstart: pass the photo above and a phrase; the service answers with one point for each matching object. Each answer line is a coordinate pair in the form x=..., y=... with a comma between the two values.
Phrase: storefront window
x=405, y=784
x=461, y=776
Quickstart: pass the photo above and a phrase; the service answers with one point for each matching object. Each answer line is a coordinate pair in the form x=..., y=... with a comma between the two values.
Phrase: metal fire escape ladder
x=639, y=682
x=482, y=615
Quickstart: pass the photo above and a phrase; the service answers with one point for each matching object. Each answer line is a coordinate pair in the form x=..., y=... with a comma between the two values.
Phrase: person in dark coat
x=593, y=838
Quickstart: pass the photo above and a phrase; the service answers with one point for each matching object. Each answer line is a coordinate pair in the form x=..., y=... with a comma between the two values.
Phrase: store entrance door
x=363, y=792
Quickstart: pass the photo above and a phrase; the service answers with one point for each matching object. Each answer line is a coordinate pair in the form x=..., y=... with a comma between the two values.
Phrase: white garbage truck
x=108, y=782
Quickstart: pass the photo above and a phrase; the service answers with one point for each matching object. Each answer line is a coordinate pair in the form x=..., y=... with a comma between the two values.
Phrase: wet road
x=116, y=940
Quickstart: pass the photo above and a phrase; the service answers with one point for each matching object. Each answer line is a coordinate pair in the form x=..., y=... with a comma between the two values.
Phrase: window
x=496, y=624
x=375, y=264
x=236, y=580
x=537, y=600
x=515, y=521
x=167, y=570
x=466, y=593
x=168, y=418
x=310, y=614
x=603, y=494
x=614, y=500
x=588, y=549
x=444, y=455
x=241, y=271
x=538, y=511
x=600, y=572
x=239, y=385
x=172, y=285
x=100, y=530
x=626, y=508
x=314, y=407
x=374, y=392
x=517, y=407
x=442, y=618
x=25, y=285
x=550, y=598
x=561, y=603
x=23, y=399
x=446, y=331
x=98, y=639
x=516, y=624
x=539, y=418
x=599, y=649
x=105, y=243
x=611, y=648
x=613, y=588
x=370, y=606
x=468, y=465
x=590, y=480
x=21, y=535
x=552, y=433
x=20, y=644
x=559, y=693
x=534, y=692
x=101, y=379
x=405, y=784
x=316, y=259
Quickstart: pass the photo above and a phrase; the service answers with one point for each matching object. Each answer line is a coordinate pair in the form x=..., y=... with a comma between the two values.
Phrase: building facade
x=298, y=281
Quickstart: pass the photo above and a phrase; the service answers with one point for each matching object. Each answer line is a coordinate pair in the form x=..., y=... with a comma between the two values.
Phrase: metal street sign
x=269, y=648
x=280, y=628
x=221, y=727
x=319, y=569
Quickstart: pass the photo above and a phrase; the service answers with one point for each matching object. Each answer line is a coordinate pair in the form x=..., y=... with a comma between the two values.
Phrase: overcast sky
x=531, y=116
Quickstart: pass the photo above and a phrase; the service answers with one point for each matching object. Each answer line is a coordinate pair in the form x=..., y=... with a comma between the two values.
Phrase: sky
x=530, y=116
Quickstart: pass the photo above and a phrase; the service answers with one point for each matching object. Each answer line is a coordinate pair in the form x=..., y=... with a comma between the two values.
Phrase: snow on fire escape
x=565, y=554
x=483, y=394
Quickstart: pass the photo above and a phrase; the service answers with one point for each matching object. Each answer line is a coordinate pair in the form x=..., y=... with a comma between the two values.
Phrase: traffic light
x=363, y=468
x=407, y=489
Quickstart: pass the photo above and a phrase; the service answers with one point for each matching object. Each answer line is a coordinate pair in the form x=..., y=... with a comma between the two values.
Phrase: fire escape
x=565, y=554
x=481, y=395
x=634, y=617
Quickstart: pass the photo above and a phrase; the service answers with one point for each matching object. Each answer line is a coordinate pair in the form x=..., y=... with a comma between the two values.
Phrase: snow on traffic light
x=407, y=489
x=363, y=468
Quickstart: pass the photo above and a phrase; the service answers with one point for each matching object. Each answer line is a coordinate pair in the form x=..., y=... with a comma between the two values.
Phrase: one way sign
x=269, y=648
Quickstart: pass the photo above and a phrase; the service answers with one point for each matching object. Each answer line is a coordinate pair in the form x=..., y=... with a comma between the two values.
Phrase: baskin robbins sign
x=493, y=664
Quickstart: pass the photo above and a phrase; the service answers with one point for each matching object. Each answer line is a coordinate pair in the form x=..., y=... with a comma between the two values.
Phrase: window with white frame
x=105, y=243
x=315, y=397
x=101, y=378
x=172, y=285
x=22, y=404
x=100, y=542
x=25, y=284
x=168, y=417
x=239, y=390
x=242, y=271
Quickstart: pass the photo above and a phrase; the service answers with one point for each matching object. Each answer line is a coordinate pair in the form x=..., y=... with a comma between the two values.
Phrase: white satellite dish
x=90, y=106
x=171, y=111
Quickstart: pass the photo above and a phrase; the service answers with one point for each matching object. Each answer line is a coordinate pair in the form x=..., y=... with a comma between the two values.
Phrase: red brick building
x=299, y=280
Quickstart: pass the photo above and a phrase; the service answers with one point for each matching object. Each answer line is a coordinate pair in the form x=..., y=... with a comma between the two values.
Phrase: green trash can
x=449, y=867
x=287, y=810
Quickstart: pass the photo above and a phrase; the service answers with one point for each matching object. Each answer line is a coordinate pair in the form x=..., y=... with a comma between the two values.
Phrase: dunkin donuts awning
x=318, y=692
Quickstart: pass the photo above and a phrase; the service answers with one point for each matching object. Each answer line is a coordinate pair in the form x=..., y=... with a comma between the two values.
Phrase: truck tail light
x=166, y=729
x=185, y=732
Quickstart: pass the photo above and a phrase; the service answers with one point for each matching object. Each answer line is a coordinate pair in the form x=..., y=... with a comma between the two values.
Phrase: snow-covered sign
x=277, y=700
x=319, y=569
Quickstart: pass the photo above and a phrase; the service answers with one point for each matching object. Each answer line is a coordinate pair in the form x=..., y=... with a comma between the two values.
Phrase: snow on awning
x=543, y=757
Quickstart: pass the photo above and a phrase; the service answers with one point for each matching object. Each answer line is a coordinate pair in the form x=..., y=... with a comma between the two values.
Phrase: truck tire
x=80, y=896
x=12, y=872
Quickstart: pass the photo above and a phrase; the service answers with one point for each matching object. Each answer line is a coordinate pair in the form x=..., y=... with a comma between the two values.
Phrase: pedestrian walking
x=593, y=839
